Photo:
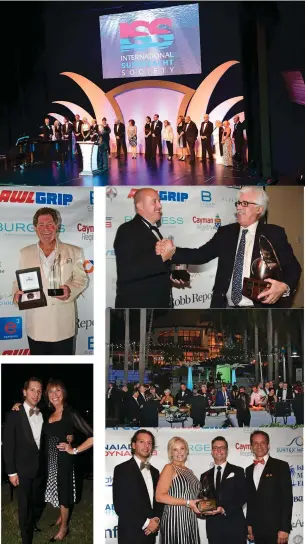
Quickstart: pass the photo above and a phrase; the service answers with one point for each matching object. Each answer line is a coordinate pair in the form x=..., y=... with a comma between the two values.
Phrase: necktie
x=34, y=411
x=238, y=270
x=257, y=462
x=218, y=480
x=144, y=465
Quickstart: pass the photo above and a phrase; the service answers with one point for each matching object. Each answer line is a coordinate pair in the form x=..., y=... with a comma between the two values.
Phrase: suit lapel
x=256, y=252
x=226, y=473
x=27, y=428
x=231, y=249
x=265, y=471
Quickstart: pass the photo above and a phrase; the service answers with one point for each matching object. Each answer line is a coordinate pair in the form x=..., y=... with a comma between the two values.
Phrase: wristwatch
x=188, y=504
x=75, y=451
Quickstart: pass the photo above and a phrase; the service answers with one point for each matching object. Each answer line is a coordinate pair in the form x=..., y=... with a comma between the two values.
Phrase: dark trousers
x=110, y=408
x=244, y=418
x=103, y=157
x=239, y=143
x=30, y=505
x=121, y=144
x=199, y=421
x=192, y=150
x=170, y=147
x=234, y=540
x=266, y=539
x=206, y=147
x=64, y=347
x=156, y=143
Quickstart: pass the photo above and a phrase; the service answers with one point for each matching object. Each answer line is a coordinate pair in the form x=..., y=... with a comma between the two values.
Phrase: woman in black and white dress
x=178, y=488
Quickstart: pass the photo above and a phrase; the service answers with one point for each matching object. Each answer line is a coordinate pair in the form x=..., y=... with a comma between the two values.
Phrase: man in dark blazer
x=23, y=458
x=206, y=130
x=238, y=138
x=134, y=488
x=134, y=408
x=119, y=132
x=227, y=484
x=143, y=279
x=242, y=403
x=199, y=406
x=191, y=133
x=269, y=494
x=47, y=131
x=77, y=128
x=66, y=129
x=184, y=395
x=222, y=397
x=156, y=134
x=237, y=246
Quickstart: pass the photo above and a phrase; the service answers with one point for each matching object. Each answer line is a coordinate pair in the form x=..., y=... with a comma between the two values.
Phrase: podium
x=89, y=155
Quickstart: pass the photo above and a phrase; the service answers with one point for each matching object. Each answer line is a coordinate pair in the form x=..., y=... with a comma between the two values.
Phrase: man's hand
x=117, y=137
x=272, y=294
x=250, y=533
x=14, y=480
x=70, y=438
x=153, y=135
x=17, y=295
x=203, y=137
x=152, y=527
x=67, y=292
x=63, y=446
x=219, y=510
x=178, y=282
x=282, y=537
x=166, y=249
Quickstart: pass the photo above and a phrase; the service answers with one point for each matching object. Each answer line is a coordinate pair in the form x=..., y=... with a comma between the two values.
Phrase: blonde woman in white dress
x=168, y=137
x=217, y=137
x=86, y=129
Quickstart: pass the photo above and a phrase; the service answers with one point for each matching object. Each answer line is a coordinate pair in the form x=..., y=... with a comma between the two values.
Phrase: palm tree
x=142, y=349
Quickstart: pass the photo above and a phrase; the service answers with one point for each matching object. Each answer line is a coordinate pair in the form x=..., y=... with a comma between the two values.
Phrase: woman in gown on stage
x=227, y=144
x=217, y=138
x=148, y=138
x=181, y=144
x=86, y=130
x=178, y=488
x=132, y=137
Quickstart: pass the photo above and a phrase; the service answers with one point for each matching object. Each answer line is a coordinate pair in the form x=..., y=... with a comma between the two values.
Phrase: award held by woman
x=55, y=279
x=180, y=273
x=207, y=502
x=267, y=266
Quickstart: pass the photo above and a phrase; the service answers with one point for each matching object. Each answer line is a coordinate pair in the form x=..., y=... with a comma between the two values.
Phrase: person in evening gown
x=148, y=138
x=85, y=130
x=227, y=144
x=181, y=139
x=217, y=138
x=178, y=488
x=132, y=137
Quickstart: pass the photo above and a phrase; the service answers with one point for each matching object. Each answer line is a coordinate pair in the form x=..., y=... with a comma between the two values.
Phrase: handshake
x=166, y=249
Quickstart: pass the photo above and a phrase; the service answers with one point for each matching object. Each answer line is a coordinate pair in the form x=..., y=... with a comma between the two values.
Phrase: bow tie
x=144, y=465
x=256, y=462
x=34, y=411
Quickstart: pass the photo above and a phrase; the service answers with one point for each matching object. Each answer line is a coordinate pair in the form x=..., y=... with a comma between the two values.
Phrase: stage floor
x=132, y=172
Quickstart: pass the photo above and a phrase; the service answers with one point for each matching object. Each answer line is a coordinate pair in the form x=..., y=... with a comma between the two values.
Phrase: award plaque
x=267, y=266
x=207, y=502
x=55, y=279
x=180, y=273
x=29, y=281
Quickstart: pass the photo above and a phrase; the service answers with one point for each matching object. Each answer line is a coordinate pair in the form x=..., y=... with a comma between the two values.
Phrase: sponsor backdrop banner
x=191, y=217
x=17, y=208
x=286, y=444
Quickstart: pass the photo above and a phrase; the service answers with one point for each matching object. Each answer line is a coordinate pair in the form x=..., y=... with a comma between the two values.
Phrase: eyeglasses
x=245, y=203
x=219, y=448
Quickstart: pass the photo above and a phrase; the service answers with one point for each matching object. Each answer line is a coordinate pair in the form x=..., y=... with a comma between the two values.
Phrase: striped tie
x=238, y=270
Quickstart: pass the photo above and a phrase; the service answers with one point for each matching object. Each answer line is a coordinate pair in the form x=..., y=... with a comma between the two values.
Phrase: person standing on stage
x=85, y=130
x=51, y=329
x=104, y=136
x=269, y=494
x=217, y=139
x=181, y=139
x=227, y=144
x=242, y=403
x=191, y=133
x=156, y=131
x=56, y=129
x=148, y=138
x=119, y=132
x=66, y=131
x=206, y=130
x=77, y=128
x=139, y=518
x=132, y=137
x=47, y=131
x=227, y=483
x=93, y=131
x=168, y=137
x=238, y=139
x=104, y=121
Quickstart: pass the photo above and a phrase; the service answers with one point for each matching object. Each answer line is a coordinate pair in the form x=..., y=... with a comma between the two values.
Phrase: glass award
x=207, y=502
x=267, y=266
x=55, y=279
x=180, y=273
x=30, y=283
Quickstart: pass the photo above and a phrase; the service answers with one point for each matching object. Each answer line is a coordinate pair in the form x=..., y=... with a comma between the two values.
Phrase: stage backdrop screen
x=152, y=42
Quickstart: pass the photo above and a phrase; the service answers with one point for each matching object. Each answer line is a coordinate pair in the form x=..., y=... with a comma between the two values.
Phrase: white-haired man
x=237, y=246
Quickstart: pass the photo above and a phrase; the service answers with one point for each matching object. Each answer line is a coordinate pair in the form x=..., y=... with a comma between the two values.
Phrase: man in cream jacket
x=51, y=329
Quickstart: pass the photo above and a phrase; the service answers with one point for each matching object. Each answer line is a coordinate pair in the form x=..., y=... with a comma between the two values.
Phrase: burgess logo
x=140, y=35
x=30, y=197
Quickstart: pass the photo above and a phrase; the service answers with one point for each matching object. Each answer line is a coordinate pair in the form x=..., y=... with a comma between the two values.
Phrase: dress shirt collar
x=266, y=457
x=251, y=229
x=27, y=408
x=223, y=466
x=138, y=461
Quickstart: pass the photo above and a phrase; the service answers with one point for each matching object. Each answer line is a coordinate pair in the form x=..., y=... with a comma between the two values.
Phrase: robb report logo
x=140, y=35
x=168, y=196
x=184, y=300
x=39, y=197
x=85, y=323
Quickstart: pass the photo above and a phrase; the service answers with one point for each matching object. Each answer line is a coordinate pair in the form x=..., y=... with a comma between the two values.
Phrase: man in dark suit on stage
x=156, y=133
x=238, y=138
x=119, y=132
x=134, y=488
x=237, y=246
x=77, y=128
x=184, y=395
x=228, y=486
x=47, y=131
x=23, y=458
x=66, y=130
x=143, y=279
x=191, y=133
x=269, y=494
x=206, y=130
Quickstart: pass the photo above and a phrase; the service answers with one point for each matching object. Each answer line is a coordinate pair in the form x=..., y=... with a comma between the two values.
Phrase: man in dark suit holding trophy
x=245, y=250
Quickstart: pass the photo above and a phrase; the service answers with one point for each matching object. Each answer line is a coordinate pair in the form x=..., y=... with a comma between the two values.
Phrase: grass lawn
x=81, y=524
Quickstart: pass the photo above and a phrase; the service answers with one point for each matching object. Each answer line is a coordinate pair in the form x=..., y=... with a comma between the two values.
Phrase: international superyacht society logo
x=141, y=35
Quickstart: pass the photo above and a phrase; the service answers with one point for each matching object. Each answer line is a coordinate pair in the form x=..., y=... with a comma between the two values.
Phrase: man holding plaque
x=269, y=494
x=143, y=279
x=227, y=484
x=256, y=264
x=51, y=324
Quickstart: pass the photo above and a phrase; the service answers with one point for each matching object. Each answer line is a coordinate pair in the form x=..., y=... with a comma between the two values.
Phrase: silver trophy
x=55, y=279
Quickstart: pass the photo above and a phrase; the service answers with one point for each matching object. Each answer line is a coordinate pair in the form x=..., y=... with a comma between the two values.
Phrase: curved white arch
x=57, y=116
x=74, y=108
x=220, y=111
